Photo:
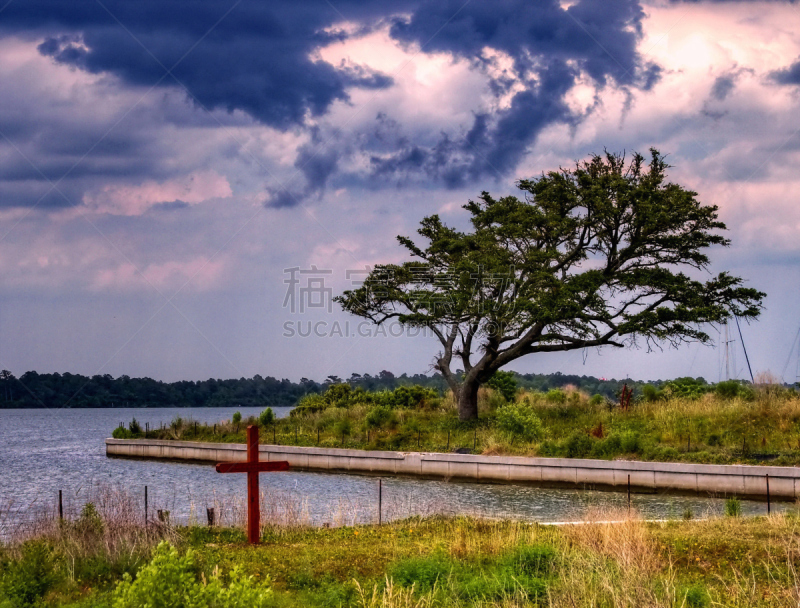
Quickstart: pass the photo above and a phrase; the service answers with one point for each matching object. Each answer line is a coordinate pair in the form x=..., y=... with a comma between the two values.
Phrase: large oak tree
x=607, y=253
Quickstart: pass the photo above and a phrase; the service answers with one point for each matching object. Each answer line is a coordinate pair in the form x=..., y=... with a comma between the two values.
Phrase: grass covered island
x=685, y=420
x=103, y=558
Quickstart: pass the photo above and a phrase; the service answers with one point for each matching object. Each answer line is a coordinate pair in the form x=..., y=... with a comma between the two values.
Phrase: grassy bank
x=435, y=562
x=745, y=425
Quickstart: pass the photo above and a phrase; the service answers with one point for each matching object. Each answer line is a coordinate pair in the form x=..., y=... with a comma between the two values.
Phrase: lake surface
x=44, y=451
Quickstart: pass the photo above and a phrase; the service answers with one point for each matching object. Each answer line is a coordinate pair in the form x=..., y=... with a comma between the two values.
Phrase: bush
x=423, y=572
x=135, y=427
x=266, y=417
x=343, y=427
x=236, y=418
x=533, y=560
x=630, y=442
x=504, y=383
x=556, y=395
x=24, y=581
x=597, y=400
x=650, y=393
x=171, y=581
x=696, y=597
x=309, y=404
x=727, y=389
x=733, y=507
x=380, y=416
x=519, y=421
x=578, y=445
x=121, y=433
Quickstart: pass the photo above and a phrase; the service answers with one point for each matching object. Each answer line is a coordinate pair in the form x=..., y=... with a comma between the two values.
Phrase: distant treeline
x=34, y=390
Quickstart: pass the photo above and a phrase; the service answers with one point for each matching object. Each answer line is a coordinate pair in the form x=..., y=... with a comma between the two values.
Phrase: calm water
x=42, y=452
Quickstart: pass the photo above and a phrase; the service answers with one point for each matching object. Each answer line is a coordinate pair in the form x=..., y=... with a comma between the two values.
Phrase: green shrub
x=236, y=418
x=121, y=433
x=135, y=427
x=266, y=417
x=597, y=400
x=171, y=581
x=338, y=395
x=733, y=507
x=379, y=417
x=423, y=572
x=608, y=447
x=578, y=445
x=518, y=421
x=25, y=581
x=504, y=383
x=556, y=395
x=343, y=427
x=650, y=393
x=696, y=597
x=309, y=404
x=728, y=389
x=533, y=560
x=631, y=442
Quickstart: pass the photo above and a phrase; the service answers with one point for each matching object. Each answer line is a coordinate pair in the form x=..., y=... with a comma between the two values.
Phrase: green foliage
x=343, y=427
x=518, y=421
x=597, y=400
x=517, y=571
x=697, y=597
x=728, y=389
x=90, y=521
x=733, y=507
x=423, y=572
x=505, y=383
x=171, y=580
x=25, y=581
x=135, y=427
x=236, y=418
x=578, y=445
x=533, y=560
x=267, y=417
x=688, y=388
x=121, y=433
x=650, y=393
x=380, y=417
x=556, y=395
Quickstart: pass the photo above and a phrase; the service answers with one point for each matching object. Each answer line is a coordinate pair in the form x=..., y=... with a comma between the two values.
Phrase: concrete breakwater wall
x=738, y=480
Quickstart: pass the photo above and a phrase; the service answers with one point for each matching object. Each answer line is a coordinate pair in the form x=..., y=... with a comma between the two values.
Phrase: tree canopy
x=606, y=254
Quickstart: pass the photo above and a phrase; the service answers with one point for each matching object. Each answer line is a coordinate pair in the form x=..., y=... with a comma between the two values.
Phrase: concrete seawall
x=739, y=480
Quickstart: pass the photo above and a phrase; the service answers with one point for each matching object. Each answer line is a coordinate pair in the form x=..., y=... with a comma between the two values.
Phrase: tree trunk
x=468, y=400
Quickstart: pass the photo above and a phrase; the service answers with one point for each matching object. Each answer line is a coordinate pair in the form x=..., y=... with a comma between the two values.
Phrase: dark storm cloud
x=255, y=58
x=549, y=46
x=789, y=75
x=258, y=57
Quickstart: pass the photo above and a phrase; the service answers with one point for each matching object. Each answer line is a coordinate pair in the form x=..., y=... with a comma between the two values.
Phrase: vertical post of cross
x=253, y=499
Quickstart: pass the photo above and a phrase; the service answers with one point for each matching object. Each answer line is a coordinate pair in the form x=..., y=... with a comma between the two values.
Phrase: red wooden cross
x=252, y=467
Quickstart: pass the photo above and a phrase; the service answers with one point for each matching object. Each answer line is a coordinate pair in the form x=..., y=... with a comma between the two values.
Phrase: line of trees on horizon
x=67, y=390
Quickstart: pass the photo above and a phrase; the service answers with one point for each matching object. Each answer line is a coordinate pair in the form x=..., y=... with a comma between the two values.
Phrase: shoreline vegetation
x=106, y=556
x=33, y=390
x=685, y=421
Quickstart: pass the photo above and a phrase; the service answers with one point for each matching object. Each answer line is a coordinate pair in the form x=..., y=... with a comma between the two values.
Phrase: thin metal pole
x=448, y=440
x=380, y=499
x=746, y=358
x=419, y=437
x=629, y=495
x=769, y=506
x=60, y=506
x=145, y=505
x=317, y=436
x=475, y=443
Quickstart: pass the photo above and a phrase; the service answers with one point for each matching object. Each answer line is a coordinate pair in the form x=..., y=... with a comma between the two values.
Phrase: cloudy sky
x=163, y=165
